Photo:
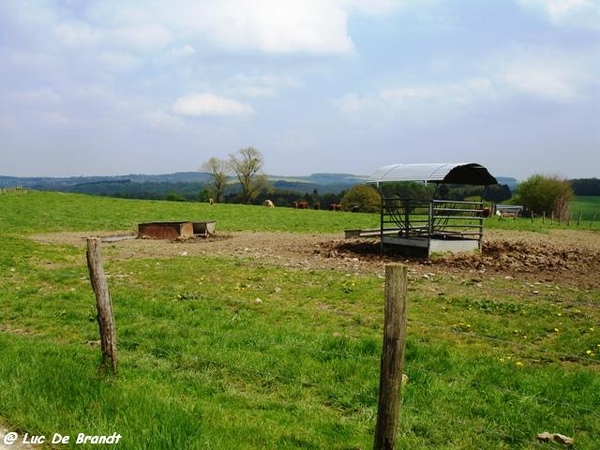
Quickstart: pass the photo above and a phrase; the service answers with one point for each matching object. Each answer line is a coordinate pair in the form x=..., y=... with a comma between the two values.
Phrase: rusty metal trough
x=204, y=228
x=175, y=230
x=166, y=230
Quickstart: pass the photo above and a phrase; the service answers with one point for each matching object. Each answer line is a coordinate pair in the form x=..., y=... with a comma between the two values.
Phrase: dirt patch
x=563, y=256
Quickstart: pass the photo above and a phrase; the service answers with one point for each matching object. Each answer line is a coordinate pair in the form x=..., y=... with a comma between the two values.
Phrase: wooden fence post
x=392, y=357
x=106, y=318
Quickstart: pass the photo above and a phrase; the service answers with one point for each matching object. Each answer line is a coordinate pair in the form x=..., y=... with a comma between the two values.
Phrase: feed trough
x=205, y=229
x=166, y=230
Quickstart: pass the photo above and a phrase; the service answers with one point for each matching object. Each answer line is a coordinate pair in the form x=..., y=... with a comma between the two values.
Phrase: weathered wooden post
x=106, y=318
x=392, y=357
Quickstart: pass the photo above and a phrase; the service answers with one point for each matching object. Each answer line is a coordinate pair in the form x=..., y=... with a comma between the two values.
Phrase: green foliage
x=175, y=197
x=541, y=194
x=364, y=197
x=586, y=186
x=407, y=189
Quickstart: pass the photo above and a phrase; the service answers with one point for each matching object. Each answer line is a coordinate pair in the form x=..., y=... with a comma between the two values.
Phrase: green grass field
x=203, y=365
x=588, y=208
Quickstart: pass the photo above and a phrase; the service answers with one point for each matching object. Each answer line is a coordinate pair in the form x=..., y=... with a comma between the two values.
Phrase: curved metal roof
x=454, y=173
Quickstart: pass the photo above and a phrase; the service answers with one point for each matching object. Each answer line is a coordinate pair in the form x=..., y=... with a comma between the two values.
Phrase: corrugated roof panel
x=462, y=173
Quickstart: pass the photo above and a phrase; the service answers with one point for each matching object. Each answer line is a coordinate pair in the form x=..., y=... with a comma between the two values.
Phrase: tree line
x=241, y=179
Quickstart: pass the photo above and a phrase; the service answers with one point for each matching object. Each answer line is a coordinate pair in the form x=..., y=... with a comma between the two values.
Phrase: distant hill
x=329, y=182
x=55, y=183
x=187, y=185
x=510, y=182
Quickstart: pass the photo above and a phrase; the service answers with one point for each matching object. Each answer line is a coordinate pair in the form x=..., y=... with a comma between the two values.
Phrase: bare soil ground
x=569, y=257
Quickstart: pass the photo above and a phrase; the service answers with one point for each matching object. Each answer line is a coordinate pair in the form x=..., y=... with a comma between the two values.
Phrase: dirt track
x=569, y=257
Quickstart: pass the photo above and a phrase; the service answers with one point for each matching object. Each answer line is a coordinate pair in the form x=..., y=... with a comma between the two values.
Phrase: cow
x=300, y=205
x=335, y=207
x=269, y=204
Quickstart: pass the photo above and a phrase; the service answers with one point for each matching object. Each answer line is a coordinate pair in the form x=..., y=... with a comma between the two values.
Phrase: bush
x=363, y=197
x=540, y=194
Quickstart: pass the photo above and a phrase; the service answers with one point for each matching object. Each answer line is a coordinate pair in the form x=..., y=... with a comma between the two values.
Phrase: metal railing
x=446, y=219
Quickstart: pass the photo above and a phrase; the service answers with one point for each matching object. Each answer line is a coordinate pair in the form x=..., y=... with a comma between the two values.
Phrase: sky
x=115, y=87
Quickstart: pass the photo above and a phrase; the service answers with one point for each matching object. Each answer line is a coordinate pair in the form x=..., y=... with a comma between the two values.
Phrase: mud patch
x=566, y=256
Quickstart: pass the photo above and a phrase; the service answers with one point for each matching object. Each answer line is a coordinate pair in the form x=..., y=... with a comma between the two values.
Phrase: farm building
x=433, y=225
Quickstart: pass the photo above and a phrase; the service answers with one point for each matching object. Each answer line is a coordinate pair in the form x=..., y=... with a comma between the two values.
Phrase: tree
x=540, y=194
x=219, y=171
x=586, y=186
x=408, y=189
x=247, y=165
x=363, y=196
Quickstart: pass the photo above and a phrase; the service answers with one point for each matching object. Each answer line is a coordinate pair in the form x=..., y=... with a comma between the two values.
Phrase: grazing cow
x=335, y=207
x=269, y=204
x=211, y=201
x=301, y=205
x=355, y=208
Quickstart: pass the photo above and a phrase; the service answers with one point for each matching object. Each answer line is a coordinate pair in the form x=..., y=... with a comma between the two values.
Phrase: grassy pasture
x=204, y=365
x=587, y=206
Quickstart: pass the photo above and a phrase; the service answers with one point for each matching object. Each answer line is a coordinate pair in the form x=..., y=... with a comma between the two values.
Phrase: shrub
x=540, y=194
x=363, y=196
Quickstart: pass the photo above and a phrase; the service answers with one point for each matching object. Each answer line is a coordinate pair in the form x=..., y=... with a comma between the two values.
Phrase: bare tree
x=247, y=164
x=219, y=171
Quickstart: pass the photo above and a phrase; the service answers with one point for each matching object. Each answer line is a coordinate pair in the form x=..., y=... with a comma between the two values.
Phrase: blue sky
x=112, y=87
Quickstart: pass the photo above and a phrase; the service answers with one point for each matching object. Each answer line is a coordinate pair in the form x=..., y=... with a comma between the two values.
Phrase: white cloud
x=209, y=105
x=144, y=37
x=314, y=27
x=55, y=119
x=174, y=54
x=547, y=74
x=40, y=95
x=581, y=13
x=433, y=96
x=353, y=103
x=162, y=120
x=267, y=85
x=380, y=7
x=272, y=26
x=76, y=33
x=118, y=61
